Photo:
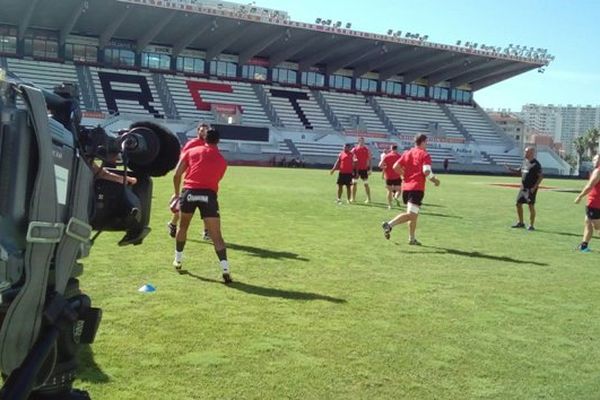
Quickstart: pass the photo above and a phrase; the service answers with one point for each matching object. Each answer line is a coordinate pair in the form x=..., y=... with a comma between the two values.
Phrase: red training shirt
x=412, y=162
x=362, y=157
x=205, y=168
x=193, y=143
x=594, y=196
x=346, y=162
x=389, y=160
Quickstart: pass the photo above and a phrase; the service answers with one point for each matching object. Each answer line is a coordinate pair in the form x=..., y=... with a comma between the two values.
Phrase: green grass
x=324, y=308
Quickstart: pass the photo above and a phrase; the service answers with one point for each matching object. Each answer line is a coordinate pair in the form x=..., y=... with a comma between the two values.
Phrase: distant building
x=510, y=124
x=564, y=123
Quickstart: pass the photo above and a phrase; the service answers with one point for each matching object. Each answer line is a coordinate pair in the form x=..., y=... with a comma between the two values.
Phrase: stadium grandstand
x=276, y=88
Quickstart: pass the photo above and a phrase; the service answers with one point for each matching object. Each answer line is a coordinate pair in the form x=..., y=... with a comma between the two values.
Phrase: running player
x=204, y=167
x=362, y=158
x=592, y=211
x=200, y=140
x=531, y=177
x=415, y=166
x=345, y=164
x=393, y=180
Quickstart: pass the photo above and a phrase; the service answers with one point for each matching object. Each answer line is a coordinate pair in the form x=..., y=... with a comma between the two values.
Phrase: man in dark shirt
x=531, y=177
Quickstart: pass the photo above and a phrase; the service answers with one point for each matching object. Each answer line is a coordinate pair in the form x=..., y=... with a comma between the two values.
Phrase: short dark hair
x=420, y=139
x=213, y=136
x=394, y=147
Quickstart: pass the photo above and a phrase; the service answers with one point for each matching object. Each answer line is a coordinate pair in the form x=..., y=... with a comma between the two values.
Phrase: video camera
x=52, y=195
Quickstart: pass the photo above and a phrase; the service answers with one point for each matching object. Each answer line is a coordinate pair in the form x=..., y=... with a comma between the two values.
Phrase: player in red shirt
x=345, y=164
x=200, y=140
x=204, y=167
x=362, y=159
x=592, y=214
x=393, y=180
x=415, y=166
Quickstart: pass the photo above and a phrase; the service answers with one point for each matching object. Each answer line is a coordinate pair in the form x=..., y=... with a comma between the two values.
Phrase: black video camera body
x=50, y=201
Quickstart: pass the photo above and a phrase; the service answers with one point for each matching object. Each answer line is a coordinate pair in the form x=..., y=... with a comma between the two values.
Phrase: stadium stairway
x=413, y=117
x=88, y=96
x=327, y=110
x=353, y=111
x=387, y=122
x=290, y=144
x=165, y=96
x=3, y=63
x=298, y=109
x=267, y=105
x=456, y=122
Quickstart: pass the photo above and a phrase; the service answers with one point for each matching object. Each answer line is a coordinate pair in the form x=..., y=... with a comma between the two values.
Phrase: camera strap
x=78, y=230
x=23, y=319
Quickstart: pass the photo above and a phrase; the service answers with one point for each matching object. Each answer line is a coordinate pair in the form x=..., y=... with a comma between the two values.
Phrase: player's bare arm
x=594, y=179
x=179, y=170
x=335, y=166
x=398, y=168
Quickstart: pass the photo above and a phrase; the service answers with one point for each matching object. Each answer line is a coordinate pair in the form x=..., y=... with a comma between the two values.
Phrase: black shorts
x=203, y=199
x=592, y=213
x=393, y=182
x=526, y=196
x=361, y=173
x=413, y=196
x=344, y=179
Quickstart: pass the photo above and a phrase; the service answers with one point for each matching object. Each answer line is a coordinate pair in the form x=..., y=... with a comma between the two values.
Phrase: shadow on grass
x=268, y=292
x=433, y=205
x=477, y=254
x=258, y=252
x=428, y=214
x=89, y=371
x=568, y=234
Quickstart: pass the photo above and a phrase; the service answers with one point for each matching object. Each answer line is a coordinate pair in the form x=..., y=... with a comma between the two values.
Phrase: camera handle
x=60, y=313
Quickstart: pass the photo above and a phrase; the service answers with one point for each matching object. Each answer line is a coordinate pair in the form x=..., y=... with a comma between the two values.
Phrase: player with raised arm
x=362, y=159
x=204, y=167
x=592, y=211
x=415, y=166
x=200, y=140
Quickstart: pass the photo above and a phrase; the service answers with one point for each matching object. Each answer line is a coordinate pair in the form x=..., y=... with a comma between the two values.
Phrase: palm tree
x=592, y=136
x=581, y=145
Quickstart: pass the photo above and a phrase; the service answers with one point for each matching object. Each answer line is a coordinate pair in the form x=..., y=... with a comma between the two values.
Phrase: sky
x=569, y=29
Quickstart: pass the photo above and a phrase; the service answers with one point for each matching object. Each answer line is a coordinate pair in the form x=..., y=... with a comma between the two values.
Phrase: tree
x=580, y=144
x=592, y=136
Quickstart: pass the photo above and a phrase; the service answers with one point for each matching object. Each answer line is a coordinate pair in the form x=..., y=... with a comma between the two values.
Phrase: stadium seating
x=281, y=150
x=502, y=159
x=348, y=106
x=318, y=149
x=307, y=114
x=475, y=124
x=126, y=92
x=43, y=74
x=412, y=117
x=134, y=95
x=193, y=99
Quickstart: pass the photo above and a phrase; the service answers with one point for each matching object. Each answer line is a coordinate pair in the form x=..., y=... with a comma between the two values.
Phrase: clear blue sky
x=569, y=29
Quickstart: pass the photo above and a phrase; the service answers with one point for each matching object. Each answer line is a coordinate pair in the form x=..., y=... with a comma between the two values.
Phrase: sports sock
x=222, y=254
x=178, y=256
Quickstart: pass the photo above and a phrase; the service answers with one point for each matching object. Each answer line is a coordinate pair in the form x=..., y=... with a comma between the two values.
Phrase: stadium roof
x=271, y=36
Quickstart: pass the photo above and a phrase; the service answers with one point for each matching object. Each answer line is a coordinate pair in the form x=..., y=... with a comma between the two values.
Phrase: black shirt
x=530, y=173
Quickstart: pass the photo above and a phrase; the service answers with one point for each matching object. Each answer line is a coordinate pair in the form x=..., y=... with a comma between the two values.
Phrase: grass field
x=325, y=308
